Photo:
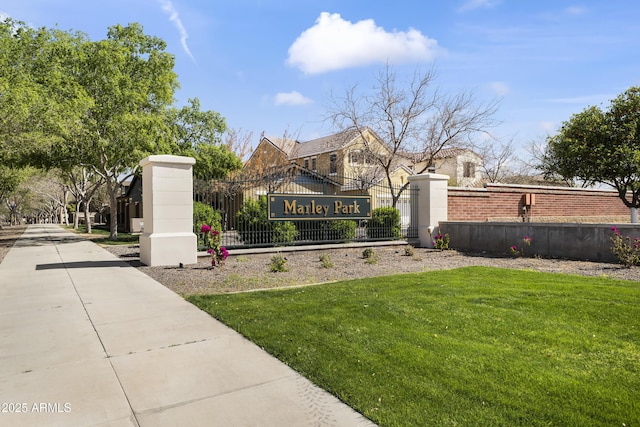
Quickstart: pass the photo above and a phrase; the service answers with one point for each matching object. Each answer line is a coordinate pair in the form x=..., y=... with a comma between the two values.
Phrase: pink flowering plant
x=212, y=241
x=627, y=251
x=441, y=240
x=517, y=251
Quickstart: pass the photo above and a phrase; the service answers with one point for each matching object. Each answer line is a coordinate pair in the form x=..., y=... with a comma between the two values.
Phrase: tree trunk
x=87, y=216
x=113, y=210
x=76, y=216
x=634, y=215
x=64, y=215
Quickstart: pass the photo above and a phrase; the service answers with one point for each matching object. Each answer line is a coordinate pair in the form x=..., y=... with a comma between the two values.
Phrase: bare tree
x=497, y=159
x=414, y=121
x=239, y=142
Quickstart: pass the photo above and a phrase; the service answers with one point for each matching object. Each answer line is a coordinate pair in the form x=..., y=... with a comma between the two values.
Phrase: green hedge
x=254, y=227
x=384, y=224
x=205, y=214
x=339, y=230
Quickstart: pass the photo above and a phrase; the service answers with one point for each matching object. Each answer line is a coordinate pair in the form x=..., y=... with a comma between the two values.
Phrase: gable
x=266, y=154
x=337, y=142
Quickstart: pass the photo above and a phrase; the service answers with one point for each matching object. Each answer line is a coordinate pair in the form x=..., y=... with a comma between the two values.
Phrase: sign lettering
x=283, y=207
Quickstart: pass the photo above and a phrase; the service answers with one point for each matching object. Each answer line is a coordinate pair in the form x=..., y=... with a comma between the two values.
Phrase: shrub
x=343, y=229
x=441, y=241
x=368, y=253
x=214, y=247
x=251, y=221
x=254, y=227
x=205, y=214
x=278, y=264
x=627, y=251
x=517, y=251
x=409, y=250
x=325, y=260
x=384, y=223
x=283, y=232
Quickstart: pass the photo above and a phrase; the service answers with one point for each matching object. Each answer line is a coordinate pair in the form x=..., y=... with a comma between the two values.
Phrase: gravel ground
x=8, y=235
x=251, y=272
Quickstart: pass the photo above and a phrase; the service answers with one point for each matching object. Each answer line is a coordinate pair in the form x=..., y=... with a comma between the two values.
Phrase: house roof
x=445, y=153
x=283, y=144
x=326, y=144
x=296, y=149
x=448, y=153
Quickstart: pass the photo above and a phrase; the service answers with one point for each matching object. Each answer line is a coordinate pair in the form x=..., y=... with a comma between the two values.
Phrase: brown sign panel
x=287, y=207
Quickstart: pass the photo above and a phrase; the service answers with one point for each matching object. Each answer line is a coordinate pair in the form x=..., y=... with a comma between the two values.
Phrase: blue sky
x=272, y=65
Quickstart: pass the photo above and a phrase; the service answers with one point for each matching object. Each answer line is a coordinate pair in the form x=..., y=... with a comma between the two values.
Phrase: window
x=333, y=164
x=354, y=157
x=313, y=164
x=469, y=170
x=306, y=163
x=369, y=159
x=361, y=158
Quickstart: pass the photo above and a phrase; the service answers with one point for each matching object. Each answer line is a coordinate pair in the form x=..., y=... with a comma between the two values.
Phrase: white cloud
x=549, y=127
x=334, y=43
x=581, y=100
x=169, y=9
x=576, y=10
x=500, y=88
x=478, y=4
x=292, y=98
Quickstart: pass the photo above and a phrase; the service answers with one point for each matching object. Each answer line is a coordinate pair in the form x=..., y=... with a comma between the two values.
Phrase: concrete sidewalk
x=87, y=340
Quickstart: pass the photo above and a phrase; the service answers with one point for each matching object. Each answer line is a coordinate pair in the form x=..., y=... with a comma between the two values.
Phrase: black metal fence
x=237, y=207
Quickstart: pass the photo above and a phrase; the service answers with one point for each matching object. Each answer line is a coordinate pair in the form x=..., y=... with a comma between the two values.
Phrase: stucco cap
x=166, y=159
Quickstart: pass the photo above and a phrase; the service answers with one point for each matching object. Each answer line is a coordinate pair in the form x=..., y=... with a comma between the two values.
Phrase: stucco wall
x=571, y=241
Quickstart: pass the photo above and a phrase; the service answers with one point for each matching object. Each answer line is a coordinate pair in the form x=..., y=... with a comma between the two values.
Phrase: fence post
x=167, y=206
x=432, y=204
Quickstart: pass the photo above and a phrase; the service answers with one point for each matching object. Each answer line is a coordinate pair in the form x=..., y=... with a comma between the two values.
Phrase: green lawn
x=101, y=235
x=471, y=346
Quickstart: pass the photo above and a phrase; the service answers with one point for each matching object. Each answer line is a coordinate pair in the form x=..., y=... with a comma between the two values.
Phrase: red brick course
x=500, y=202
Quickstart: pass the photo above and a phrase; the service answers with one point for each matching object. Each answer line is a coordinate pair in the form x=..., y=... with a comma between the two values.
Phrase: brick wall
x=501, y=202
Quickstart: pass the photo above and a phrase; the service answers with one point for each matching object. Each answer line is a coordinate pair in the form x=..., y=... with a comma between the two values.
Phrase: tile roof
x=296, y=149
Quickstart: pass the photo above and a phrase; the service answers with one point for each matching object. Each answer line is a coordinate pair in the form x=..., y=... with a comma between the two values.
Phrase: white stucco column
x=432, y=204
x=167, y=208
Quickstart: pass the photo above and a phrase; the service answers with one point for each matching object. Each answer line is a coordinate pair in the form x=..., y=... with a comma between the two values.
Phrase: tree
x=413, y=121
x=83, y=184
x=37, y=98
x=601, y=147
x=239, y=142
x=129, y=83
x=199, y=134
x=497, y=160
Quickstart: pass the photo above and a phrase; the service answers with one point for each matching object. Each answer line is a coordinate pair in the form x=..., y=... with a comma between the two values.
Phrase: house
x=130, y=206
x=348, y=160
x=462, y=165
x=348, y=154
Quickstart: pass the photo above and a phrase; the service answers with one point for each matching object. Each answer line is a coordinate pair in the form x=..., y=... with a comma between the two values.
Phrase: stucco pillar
x=167, y=208
x=432, y=204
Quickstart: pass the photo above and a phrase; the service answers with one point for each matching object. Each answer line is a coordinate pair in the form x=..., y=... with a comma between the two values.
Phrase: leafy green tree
x=198, y=134
x=600, y=147
x=37, y=97
x=131, y=81
x=68, y=102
